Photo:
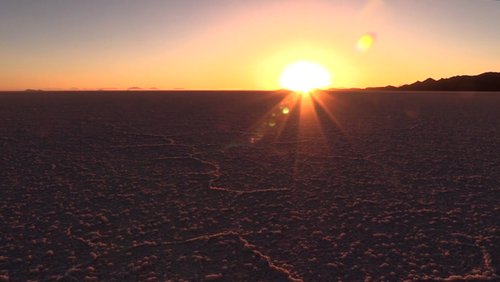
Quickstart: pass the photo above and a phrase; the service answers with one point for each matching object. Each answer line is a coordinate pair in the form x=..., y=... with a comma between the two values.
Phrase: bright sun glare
x=304, y=76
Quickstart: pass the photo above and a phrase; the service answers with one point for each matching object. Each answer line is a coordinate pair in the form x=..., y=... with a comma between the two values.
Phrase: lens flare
x=366, y=42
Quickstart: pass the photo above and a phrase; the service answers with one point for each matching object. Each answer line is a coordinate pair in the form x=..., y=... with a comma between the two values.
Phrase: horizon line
x=152, y=89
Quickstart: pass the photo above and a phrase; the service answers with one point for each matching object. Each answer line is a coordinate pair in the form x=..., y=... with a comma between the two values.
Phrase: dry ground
x=225, y=186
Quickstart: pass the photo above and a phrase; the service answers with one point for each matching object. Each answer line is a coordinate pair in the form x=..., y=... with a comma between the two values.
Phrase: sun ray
x=311, y=140
x=274, y=120
x=289, y=104
x=324, y=98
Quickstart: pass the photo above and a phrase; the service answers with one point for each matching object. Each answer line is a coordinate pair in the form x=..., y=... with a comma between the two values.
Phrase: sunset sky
x=234, y=44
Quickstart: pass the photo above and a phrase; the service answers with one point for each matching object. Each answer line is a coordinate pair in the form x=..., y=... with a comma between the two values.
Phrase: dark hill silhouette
x=489, y=81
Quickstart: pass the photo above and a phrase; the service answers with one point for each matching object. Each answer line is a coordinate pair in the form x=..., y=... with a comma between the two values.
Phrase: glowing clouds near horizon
x=365, y=42
x=304, y=76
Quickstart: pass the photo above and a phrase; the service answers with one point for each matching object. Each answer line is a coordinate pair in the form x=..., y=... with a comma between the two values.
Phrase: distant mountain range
x=489, y=81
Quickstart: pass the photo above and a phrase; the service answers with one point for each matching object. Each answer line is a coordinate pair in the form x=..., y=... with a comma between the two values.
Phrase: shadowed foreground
x=225, y=186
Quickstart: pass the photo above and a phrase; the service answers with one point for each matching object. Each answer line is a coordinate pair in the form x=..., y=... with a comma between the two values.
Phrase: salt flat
x=126, y=186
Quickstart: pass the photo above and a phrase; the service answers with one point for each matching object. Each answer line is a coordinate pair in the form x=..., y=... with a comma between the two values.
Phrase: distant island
x=489, y=81
x=33, y=90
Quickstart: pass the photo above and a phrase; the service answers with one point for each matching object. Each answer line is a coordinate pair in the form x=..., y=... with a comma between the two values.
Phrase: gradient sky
x=234, y=44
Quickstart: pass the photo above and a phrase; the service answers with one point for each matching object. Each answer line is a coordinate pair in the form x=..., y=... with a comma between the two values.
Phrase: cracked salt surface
x=174, y=190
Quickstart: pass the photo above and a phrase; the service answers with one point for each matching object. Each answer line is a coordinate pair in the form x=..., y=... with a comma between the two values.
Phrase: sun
x=305, y=76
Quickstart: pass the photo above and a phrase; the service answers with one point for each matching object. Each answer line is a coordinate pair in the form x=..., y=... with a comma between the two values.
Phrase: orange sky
x=229, y=44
